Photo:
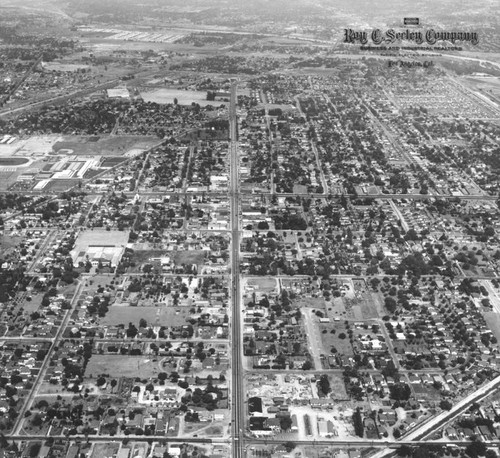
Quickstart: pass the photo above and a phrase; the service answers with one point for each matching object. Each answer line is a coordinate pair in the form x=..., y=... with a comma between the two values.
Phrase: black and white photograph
x=249, y=228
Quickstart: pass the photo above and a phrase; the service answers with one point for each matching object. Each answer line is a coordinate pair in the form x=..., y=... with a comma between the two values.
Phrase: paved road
x=238, y=401
x=430, y=426
x=39, y=380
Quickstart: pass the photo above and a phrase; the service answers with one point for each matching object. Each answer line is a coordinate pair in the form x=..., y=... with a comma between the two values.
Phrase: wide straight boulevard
x=237, y=366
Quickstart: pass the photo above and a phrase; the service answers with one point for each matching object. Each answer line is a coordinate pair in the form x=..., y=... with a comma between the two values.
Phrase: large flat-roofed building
x=99, y=246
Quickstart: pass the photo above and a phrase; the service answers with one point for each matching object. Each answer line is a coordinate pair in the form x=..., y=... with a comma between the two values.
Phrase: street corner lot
x=262, y=284
x=122, y=366
x=154, y=316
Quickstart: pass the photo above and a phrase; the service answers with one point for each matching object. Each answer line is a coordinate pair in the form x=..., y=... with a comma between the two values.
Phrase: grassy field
x=104, y=145
x=493, y=322
x=144, y=256
x=112, y=161
x=105, y=449
x=265, y=285
x=311, y=302
x=338, y=387
x=9, y=161
x=7, y=179
x=156, y=316
x=329, y=340
x=188, y=257
x=166, y=95
x=61, y=185
x=9, y=243
x=121, y=366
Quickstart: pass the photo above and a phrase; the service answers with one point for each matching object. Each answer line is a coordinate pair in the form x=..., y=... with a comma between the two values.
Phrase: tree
x=285, y=423
x=263, y=225
x=101, y=381
x=324, y=385
x=390, y=304
x=35, y=449
x=445, y=404
x=404, y=450
x=307, y=365
x=476, y=448
x=289, y=446
x=358, y=422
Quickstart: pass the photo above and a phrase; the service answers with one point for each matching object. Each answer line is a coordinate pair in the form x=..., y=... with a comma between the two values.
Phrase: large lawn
x=155, y=316
x=121, y=366
x=103, y=145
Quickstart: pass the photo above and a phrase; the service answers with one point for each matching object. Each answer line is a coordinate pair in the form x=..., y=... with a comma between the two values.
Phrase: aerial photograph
x=249, y=228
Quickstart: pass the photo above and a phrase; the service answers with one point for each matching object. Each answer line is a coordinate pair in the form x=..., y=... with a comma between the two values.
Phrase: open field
x=337, y=386
x=493, y=322
x=12, y=161
x=165, y=95
x=63, y=67
x=121, y=366
x=144, y=256
x=311, y=302
x=263, y=284
x=329, y=340
x=60, y=185
x=156, y=316
x=112, y=161
x=8, y=244
x=7, y=179
x=105, y=449
x=188, y=257
x=103, y=145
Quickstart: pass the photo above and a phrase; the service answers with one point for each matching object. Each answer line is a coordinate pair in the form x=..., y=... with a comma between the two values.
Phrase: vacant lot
x=329, y=340
x=155, y=316
x=165, y=95
x=60, y=185
x=188, y=257
x=311, y=302
x=7, y=179
x=493, y=322
x=104, y=145
x=337, y=387
x=105, y=449
x=121, y=366
x=9, y=161
x=265, y=285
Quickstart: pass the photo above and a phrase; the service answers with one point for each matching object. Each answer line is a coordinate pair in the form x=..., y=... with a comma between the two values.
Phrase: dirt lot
x=121, y=366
